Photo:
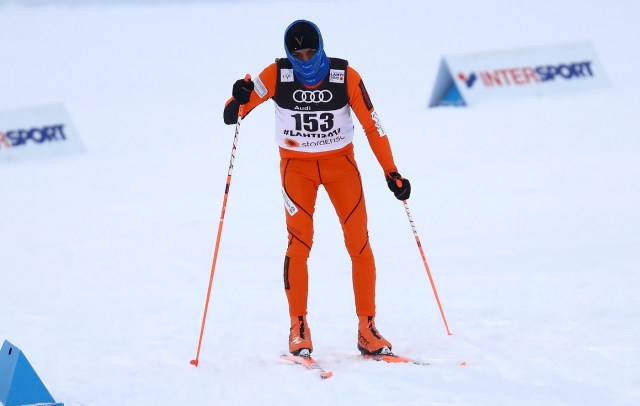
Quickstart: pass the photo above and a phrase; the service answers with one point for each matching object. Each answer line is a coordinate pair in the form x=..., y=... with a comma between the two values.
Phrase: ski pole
x=224, y=206
x=426, y=266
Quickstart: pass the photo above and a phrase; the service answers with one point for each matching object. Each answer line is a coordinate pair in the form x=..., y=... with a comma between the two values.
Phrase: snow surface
x=527, y=209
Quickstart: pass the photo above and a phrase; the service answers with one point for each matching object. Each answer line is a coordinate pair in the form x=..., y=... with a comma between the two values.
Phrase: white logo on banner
x=37, y=132
x=468, y=79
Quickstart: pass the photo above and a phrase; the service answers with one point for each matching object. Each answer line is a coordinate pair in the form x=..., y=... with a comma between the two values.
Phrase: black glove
x=242, y=90
x=400, y=186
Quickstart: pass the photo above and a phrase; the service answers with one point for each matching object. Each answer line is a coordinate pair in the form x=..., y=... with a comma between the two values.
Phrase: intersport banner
x=474, y=78
x=37, y=132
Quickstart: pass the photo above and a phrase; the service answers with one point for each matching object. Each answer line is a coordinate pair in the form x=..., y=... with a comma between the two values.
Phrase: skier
x=313, y=95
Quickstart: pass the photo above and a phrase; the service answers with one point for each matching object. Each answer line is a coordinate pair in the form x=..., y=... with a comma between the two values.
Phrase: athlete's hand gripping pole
x=224, y=206
x=424, y=260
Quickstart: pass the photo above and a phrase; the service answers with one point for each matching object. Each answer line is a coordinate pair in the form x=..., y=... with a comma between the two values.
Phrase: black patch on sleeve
x=365, y=96
x=286, y=273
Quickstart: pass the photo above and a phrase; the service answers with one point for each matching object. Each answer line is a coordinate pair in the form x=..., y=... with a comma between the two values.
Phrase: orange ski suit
x=328, y=160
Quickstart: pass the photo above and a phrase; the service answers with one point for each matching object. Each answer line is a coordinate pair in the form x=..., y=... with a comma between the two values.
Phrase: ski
x=309, y=363
x=393, y=359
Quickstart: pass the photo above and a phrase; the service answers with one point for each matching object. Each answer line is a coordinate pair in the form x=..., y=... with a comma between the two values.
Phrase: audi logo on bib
x=312, y=96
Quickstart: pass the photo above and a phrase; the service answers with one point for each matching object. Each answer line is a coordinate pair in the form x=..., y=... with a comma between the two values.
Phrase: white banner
x=469, y=79
x=37, y=132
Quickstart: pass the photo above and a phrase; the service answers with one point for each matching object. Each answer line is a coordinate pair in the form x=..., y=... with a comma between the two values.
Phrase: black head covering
x=301, y=35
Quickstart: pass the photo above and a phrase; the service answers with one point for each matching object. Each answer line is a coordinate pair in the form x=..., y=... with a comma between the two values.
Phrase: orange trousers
x=340, y=177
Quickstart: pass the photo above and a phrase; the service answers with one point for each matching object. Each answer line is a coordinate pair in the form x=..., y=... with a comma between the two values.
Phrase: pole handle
x=247, y=78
